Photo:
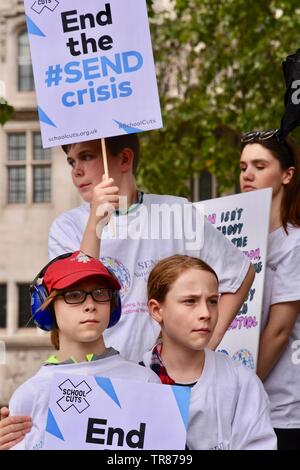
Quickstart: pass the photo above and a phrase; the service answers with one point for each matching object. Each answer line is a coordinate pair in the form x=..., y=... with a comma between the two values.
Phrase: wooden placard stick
x=106, y=174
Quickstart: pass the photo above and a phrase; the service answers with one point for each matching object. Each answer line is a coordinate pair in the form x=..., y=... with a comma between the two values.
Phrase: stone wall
x=22, y=361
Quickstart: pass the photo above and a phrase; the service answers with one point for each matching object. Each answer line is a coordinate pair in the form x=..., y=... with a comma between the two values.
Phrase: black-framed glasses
x=99, y=295
x=260, y=135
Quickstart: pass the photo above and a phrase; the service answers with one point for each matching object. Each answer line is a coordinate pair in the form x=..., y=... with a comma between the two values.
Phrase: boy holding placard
x=111, y=89
x=144, y=229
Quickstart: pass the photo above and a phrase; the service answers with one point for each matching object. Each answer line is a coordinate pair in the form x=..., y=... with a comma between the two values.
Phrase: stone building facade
x=35, y=187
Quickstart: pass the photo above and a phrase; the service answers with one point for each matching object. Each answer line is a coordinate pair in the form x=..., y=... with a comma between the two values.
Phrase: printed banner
x=93, y=69
x=101, y=413
x=244, y=219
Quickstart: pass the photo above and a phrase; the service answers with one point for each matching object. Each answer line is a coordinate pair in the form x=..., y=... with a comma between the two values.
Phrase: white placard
x=93, y=69
x=100, y=413
x=244, y=219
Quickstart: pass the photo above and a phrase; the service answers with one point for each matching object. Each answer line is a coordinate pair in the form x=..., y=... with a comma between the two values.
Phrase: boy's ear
x=155, y=310
x=126, y=159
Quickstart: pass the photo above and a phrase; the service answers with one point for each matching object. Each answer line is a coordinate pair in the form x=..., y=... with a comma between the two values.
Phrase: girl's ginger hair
x=166, y=271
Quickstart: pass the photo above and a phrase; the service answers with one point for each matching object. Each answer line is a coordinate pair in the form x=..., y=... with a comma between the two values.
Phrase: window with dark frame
x=16, y=185
x=25, y=73
x=24, y=307
x=42, y=184
x=38, y=152
x=3, y=301
x=17, y=147
x=19, y=163
x=41, y=172
x=17, y=171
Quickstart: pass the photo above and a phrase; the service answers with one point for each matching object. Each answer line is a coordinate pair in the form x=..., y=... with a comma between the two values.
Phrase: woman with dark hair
x=267, y=160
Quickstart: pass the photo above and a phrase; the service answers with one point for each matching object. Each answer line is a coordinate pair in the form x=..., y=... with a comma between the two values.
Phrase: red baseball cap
x=66, y=271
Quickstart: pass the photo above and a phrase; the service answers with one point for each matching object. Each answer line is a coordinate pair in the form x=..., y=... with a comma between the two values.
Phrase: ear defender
x=116, y=313
x=44, y=319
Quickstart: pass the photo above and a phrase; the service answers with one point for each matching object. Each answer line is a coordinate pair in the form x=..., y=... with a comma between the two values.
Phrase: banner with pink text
x=244, y=219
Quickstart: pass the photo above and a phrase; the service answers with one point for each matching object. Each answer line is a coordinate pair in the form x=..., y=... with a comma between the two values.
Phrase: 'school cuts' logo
x=74, y=396
x=40, y=5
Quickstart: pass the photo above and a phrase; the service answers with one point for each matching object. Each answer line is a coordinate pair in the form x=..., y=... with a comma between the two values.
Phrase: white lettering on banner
x=158, y=222
x=296, y=354
x=295, y=95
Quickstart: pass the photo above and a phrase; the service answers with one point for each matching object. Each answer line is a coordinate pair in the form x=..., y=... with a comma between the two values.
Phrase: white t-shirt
x=282, y=284
x=229, y=409
x=32, y=397
x=153, y=235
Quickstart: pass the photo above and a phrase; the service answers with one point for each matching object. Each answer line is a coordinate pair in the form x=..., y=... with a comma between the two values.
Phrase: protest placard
x=93, y=69
x=244, y=219
x=101, y=413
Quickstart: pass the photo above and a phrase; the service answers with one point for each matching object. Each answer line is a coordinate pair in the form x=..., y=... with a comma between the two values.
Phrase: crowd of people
x=179, y=295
